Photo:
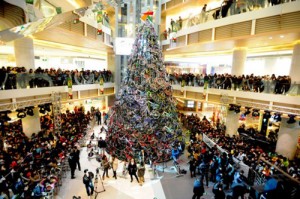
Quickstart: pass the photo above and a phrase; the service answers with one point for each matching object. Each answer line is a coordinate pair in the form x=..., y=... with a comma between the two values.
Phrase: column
x=24, y=52
x=111, y=64
x=232, y=123
x=288, y=138
x=238, y=61
x=295, y=66
x=32, y=124
x=295, y=71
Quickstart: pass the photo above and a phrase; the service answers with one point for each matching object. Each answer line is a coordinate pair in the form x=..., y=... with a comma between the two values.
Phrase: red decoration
x=75, y=21
x=99, y=32
x=174, y=39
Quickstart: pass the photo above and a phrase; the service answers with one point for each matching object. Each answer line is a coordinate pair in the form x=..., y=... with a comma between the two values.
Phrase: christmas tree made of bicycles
x=144, y=115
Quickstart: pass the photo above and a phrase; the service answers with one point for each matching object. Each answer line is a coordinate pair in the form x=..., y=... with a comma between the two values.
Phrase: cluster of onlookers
x=19, y=77
x=31, y=166
x=266, y=84
x=227, y=8
x=220, y=165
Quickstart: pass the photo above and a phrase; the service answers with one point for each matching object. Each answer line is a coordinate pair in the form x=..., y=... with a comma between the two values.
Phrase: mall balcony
x=241, y=32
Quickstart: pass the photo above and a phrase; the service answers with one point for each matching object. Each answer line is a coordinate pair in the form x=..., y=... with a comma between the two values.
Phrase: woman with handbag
x=141, y=172
x=106, y=166
x=114, y=164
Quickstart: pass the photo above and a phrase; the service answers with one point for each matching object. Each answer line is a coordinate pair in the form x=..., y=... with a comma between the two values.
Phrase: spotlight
x=47, y=107
x=231, y=107
x=21, y=113
x=291, y=119
x=247, y=112
x=30, y=111
x=42, y=109
x=237, y=109
x=255, y=113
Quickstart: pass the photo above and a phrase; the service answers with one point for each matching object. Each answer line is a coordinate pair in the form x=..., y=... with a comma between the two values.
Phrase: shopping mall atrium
x=152, y=99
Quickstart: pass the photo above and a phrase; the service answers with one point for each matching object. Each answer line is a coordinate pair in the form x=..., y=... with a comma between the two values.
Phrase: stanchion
x=97, y=177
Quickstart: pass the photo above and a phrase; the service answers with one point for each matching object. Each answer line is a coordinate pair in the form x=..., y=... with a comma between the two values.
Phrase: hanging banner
x=101, y=82
x=182, y=85
x=70, y=84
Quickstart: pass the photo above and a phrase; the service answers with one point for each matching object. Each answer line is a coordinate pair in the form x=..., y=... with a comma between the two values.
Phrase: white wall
x=69, y=63
x=279, y=65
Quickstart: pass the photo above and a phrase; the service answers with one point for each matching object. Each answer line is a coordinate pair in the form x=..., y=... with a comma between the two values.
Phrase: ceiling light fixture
x=74, y=3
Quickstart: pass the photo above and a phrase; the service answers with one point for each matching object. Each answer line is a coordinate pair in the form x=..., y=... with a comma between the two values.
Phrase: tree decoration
x=144, y=115
x=147, y=16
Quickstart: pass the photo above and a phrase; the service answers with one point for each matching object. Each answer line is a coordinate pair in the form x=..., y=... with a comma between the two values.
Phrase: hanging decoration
x=101, y=82
x=182, y=85
x=99, y=32
x=70, y=84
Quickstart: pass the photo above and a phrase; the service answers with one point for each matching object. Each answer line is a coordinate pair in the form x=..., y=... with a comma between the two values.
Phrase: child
x=125, y=170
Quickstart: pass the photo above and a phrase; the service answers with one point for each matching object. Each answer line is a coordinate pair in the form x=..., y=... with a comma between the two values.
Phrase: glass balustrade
x=226, y=9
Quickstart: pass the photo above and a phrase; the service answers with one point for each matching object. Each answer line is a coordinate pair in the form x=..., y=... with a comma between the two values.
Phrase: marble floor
x=109, y=188
x=166, y=184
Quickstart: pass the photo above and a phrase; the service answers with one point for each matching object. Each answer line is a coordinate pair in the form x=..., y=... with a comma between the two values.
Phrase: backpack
x=19, y=185
x=85, y=179
x=37, y=191
x=91, y=174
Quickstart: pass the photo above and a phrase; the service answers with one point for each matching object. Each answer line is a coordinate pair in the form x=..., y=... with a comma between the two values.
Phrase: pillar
x=24, y=52
x=32, y=124
x=238, y=61
x=295, y=71
x=288, y=138
x=110, y=59
x=295, y=66
x=232, y=123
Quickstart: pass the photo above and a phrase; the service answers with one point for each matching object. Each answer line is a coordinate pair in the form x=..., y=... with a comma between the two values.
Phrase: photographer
x=88, y=182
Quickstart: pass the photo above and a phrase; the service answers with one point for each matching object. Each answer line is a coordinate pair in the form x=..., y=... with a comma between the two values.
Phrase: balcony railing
x=225, y=10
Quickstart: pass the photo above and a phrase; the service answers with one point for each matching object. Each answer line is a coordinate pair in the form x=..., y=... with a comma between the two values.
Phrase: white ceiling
x=8, y=49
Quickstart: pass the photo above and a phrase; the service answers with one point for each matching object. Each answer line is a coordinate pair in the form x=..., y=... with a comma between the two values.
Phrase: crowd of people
x=220, y=165
x=265, y=84
x=19, y=77
x=227, y=8
x=31, y=167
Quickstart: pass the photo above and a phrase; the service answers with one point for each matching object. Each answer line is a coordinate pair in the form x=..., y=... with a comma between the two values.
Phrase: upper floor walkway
x=213, y=34
x=20, y=98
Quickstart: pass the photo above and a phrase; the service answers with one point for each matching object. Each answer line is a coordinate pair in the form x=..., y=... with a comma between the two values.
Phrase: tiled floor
x=114, y=189
x=167, y=185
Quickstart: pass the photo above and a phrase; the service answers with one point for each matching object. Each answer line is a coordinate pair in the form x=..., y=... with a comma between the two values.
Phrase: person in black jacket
x=77, y=157
x=101, y=145
x=98, y=117
x=72, y=163
x=132, y=169
x=88, y=182
x=198, y=189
